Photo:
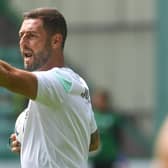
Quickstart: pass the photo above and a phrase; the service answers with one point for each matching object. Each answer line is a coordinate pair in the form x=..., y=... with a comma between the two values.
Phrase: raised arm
x=17, y=80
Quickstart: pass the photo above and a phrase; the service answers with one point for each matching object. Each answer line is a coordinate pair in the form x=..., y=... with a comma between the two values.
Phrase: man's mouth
x=28, y=58
x=27, y=55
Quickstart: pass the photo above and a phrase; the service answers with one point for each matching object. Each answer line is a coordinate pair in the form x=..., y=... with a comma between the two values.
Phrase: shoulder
x=71, y=81
x=55, y=73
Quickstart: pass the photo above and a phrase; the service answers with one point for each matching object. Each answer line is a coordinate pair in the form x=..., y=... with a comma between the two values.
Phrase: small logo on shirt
x=85, y=95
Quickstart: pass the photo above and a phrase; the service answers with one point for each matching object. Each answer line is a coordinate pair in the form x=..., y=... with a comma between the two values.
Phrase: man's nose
x=23, y=40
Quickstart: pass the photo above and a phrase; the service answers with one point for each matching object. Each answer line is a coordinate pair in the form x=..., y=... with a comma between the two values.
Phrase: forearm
x=5, y=69
x=17, y=80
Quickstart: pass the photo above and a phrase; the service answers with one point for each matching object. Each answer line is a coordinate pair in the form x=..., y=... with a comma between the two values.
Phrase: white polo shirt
x=59, y=122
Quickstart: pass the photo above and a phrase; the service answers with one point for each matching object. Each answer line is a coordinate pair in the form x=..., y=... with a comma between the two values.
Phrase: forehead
x=31, y=25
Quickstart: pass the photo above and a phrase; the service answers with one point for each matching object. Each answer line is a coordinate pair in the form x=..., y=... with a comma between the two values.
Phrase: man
x=59, y=127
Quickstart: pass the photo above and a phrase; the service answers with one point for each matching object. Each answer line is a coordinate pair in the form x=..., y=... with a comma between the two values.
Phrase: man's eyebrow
x=28, y=32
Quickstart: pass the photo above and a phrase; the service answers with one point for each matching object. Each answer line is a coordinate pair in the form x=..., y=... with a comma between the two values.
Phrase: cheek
x=37, y=46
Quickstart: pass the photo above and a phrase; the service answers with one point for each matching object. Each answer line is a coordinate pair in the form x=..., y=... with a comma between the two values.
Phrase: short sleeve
x=51, y=89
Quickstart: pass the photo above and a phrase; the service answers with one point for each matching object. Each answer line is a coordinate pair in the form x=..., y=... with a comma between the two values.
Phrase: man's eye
x=27, y=36
x=32, y=35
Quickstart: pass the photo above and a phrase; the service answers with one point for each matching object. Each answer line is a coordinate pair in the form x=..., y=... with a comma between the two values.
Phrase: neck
x=55, y=61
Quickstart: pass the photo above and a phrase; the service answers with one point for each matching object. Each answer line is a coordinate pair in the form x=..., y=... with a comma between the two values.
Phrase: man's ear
x=57, y=40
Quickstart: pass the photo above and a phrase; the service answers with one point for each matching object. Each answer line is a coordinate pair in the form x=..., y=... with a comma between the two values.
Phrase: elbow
x=95, y=142
x=94, y=147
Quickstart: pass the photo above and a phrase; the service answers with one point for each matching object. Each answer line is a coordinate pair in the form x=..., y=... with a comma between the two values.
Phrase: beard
x=38, y=59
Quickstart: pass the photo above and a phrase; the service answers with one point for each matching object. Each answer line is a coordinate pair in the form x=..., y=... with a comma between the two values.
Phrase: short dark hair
x=53, y=21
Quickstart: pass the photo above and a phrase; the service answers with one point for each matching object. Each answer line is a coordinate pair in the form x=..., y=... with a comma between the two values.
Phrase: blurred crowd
x=109, y=125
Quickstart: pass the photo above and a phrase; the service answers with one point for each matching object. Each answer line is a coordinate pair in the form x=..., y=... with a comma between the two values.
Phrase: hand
x=14, y=144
